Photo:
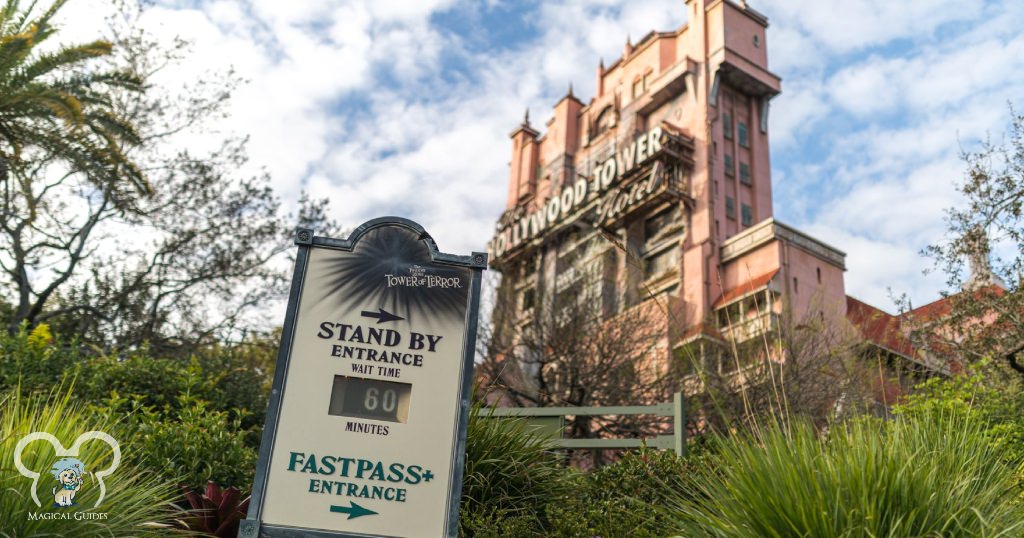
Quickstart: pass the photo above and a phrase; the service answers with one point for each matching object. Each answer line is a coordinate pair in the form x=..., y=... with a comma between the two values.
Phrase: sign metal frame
x=252, y=526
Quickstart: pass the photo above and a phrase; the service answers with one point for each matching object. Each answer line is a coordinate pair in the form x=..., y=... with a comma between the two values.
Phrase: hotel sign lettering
x=366, y=428
x=603, y=182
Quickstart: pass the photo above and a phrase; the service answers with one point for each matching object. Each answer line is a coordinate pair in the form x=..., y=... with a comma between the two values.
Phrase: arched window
x=605, y=121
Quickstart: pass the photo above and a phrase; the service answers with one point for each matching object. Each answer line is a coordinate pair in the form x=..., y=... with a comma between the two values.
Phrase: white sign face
x=366, y=433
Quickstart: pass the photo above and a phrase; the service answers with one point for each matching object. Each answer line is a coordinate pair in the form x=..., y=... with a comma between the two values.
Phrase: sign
x=366, y=428
x=603, y=182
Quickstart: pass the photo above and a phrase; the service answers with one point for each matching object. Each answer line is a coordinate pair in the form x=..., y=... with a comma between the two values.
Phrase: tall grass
x=136, y=503
x=933, y=475
x=510, y=477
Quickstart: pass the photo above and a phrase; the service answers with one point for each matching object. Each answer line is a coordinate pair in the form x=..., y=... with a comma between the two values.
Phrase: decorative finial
x=526, y=117
x=570, y=90
x=629, y=46
x=601, y=64
x=976, y=245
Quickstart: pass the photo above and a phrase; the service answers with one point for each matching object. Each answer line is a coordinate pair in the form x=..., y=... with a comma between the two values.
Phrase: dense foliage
x=187, y=421
x=934, y=474
x=510, y=477
x=93, y=151
x=983, y=252
x=625, y=498
x=137, y=499
x=992, y=396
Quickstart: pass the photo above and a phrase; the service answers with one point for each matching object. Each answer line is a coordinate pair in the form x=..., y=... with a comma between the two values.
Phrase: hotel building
x=659, y=187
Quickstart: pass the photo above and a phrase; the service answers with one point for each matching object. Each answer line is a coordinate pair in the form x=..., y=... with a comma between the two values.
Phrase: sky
x=389, y=107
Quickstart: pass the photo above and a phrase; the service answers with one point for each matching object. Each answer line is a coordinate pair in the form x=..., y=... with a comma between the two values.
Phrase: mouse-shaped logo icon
x=67, y=472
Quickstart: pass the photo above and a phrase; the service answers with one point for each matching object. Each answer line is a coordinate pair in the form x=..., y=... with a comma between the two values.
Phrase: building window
x=742, y=130
x=647, y=79
x=729, y=165
x=529, y=299
x=727, y=125
x=661, y=262
x=638, y=87
x=757, y=42
x=796, y=285
x=747, y=215
x=529, y=265
x=730, y=315
x=605, y=121
x=730, y=208
x=655, y=226
x=819, y=275
x=745, y=173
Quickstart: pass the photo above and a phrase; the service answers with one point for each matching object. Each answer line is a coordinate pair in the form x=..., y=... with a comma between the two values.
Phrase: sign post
x=366, y=428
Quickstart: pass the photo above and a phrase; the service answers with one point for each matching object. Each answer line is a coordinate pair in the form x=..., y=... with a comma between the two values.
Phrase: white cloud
x=357, y=101
x=852, y=25
x=876, y=104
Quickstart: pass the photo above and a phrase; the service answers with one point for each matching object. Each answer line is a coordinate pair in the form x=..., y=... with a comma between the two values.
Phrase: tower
x=659, y=188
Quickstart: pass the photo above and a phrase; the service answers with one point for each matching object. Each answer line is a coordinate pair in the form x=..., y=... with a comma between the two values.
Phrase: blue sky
x=391, y=107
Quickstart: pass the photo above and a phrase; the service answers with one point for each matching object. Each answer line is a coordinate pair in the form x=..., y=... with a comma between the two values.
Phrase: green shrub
x=189, y=443
x=136, y=502
x=191, y=419
x=151, y=381
x=935, y=474
x=217, y=376
x=33, y=362
x=626, y=498
x=510, y=476
x=991, y=395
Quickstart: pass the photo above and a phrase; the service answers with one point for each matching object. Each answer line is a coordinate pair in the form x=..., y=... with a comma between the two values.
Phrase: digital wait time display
x=373, y=399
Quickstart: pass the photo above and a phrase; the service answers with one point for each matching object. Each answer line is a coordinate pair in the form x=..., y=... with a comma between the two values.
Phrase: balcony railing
x=751, y=327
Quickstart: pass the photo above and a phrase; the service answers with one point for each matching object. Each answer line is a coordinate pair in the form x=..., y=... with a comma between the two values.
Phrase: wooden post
x=679, y=419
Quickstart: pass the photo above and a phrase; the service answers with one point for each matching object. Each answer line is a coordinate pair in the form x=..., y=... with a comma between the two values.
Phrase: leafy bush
x=33, y=362
x=626, y=498
x=991, y=395
x=136, y=501
x=188, y=418
x=189, y=443
x=217, y=375
x=510, y=476
x=150, y=381
x=930, y=475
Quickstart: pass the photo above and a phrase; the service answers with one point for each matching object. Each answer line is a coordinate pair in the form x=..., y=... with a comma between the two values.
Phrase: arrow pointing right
x=353, y=511
x=382, y=315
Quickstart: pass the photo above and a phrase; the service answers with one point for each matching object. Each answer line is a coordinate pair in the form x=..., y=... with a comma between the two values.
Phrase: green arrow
x=353, y=511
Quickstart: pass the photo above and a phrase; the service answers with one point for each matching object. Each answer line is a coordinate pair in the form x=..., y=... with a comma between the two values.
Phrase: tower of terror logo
x=418, y=278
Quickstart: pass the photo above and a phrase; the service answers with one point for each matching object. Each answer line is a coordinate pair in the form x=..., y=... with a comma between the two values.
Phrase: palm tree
x=54, y=110
x=59, y=129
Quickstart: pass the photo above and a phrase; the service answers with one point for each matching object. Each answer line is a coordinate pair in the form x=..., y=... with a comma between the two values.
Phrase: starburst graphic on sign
x=391, y=267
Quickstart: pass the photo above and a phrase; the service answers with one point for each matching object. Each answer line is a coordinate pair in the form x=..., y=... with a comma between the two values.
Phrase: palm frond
x=64, y=57
x=50, y=106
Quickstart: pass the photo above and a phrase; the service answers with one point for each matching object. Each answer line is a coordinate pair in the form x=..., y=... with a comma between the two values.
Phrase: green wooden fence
x=548, y=421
